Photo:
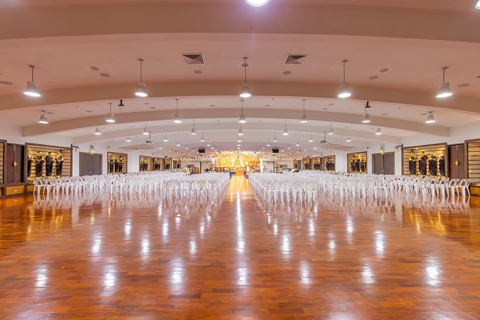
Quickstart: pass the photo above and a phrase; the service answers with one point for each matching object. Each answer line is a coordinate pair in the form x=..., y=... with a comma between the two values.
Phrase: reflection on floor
x=237, y=257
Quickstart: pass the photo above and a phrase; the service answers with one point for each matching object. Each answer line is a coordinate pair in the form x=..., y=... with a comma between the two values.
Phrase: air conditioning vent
x=193, y=58
x=296, y=58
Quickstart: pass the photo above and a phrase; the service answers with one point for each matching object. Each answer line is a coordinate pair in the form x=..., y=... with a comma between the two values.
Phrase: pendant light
x=378, y=131
x=242, y=118
x=110, y=118
x=186, y=146
x=177, y=118
x=304, y=116
x=349, y=140
x=268, y=142
x=208, y=143
x=288, y=147
x=202, y=139
x=315, y=148
x=366, y=117
x=330, y=132
x=344, y=90
x=285, y=132
x=43, y=118
x=275, y=137
x=245, y=93
x=444, y=90
x=141, y=87
x=430, y=118
x=298, y=144
x=311, y=138
x=240, y=131
x=239, y=140
x=193, y=132
x=165, y=139
x=477, y=6
x=128, y=139
x=178, y=143
x=32, y=87
x=145, y=130
x=97, y=131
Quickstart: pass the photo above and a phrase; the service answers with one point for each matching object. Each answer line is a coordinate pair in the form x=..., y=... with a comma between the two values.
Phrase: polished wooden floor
x=140, y=258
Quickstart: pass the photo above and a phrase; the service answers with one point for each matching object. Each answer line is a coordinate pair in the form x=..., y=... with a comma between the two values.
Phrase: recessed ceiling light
x=373, y=77
x=197, y=71
x=257, y=3
x=212, y=106
x=331, y=104
x=49, y=112
x=7, y=83
x=384, y=70
x=218, y=120
x=147, y=103
x=462, y=85
x=105, y=75
x=196, y=58
x=153, y=108
x=267, y=105
x=423, y=114
x=383, y=114
x=93, y=68
x=287, y=73
x=324, y=109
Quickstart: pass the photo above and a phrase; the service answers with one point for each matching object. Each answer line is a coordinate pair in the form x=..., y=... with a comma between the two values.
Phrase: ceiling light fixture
x=444, y=90
x=186, y=147
x=208, y=143
x=285, y=132
x=165, y=139
x=378, y=131
x=257, y=3
x=141, y=87
x=275, y=137
x=32, y=87
x=193, y=132
x=202, y=139
x=110, y=118
x=178, y=143
x=349, y=140
x=366, y=117
x=240, y=131
x=311, y=138
x=245, y=93
x=128, y=139
x=315, y=148
x=145, y=130
x=477, y=6
x=268, y=142
x=344, y=90
x=177, y=118
x=330, y=132
x=239, y=140
x=43, y=118
x=304, y=116
x=288, y=147
x=97, y=131
x=430, y=118
x=242, y=118
x=298, y=144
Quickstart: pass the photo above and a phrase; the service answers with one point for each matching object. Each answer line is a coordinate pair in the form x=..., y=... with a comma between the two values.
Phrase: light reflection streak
x=41, y=276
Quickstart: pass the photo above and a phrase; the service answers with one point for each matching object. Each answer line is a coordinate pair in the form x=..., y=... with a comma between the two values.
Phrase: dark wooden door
x=456, y=161
x=90, y=164
x=383, y=163
x=15, y=163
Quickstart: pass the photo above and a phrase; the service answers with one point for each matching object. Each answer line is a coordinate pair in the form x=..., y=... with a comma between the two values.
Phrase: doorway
x=90, y=164
x=383, y=163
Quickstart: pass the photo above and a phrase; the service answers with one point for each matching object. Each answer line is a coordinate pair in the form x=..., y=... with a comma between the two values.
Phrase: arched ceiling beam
x=19, y=22
x=51, y=98
x=232, y=114
x=262, y=131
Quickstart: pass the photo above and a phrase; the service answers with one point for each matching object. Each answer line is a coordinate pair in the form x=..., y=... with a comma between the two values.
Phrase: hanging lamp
x=32, y=87
x=245, y=93
x=43, y=118
x=110, y=118
x=304, y=116
x=177, y=118
x=344, y=90
x=242, y=118
x=285, y=131
x=141, y=86
x=444, y=88
x=193, y=131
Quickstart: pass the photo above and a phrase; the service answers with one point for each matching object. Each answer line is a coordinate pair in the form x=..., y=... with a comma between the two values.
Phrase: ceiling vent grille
x=296, y=58
x=193, y=58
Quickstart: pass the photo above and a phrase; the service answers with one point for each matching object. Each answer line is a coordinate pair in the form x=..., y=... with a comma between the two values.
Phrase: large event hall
x=240, y=159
